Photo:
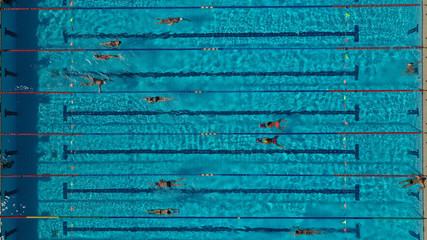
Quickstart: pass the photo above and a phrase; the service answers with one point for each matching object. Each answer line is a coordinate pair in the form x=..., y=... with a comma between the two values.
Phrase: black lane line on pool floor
x=66, y=113
x=355, y=191
x=167, y=35
x=66, y=229
x=354, y=73
x=354, y=152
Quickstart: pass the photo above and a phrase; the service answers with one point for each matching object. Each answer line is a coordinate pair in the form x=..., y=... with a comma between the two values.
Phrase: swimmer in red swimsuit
x=410, y=69
x=170, y=21
x=156, y=99
x=105, y=57
x=265, y=140
x=111, y=44
x=169, y=211
x=418, y=179
x=164, y=183
x=305, y=232
x=96, y=81
x=273, y=124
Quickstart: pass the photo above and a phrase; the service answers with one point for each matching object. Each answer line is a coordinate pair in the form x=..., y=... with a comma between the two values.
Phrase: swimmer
x=6, y=164
x=111, y=44
x=265, y=140
x=410, y=68
x=164, y=183
x=171, y=21
x=8, y=1
x=105, y=57
x=305, y=232
x=96, y=81
x=418, y=179
x=168, y=211
x=155, y=99
x=273, y=124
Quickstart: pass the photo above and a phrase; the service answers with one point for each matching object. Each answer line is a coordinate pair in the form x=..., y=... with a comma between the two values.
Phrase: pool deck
x=424, y=28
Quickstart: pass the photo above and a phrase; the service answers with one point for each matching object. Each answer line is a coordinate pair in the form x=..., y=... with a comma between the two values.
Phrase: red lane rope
x=375, y=133
x=375, y=90
x=40, y=134
x=340, y=175
x=383, y=5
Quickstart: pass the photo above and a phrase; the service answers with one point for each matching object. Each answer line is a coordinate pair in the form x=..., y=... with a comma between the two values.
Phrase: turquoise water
x=201, y=197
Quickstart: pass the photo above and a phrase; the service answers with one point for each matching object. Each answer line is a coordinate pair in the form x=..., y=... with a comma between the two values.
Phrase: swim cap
x=181, y=18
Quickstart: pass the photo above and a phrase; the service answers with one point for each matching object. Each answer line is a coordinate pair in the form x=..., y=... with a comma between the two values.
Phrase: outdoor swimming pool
x=83, y=174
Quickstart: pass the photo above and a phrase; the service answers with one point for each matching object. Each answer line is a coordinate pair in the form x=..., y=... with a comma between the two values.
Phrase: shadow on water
x=27, y=108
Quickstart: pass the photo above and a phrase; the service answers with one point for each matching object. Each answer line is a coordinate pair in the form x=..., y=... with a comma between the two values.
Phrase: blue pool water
x=121, y=143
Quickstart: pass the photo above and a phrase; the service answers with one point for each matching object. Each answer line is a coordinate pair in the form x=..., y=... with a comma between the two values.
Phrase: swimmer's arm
x=424, y=186
x=152, y=185
x=292, y=234
x=171, y=24
x=99, y=86
x=404, y=72
x=417, y=63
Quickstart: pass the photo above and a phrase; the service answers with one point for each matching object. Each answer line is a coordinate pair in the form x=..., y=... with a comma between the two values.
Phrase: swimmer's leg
x=404, y=181
x=87, y=84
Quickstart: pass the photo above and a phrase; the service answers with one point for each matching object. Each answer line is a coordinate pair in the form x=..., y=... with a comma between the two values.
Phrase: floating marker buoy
x=345, y=122
x=345, y=163
x=346, y=40
x=72, y=184
x=345, y=65
x=345, y=81
x=71, y=85
x=345, y=222
x=71, y=3
x=345, y=97
x=72, y=167
x=344, y=139
x=345, y=146
x=72, y=101
x=347, y=15
x=71, y=44
x=72, y=60
x=72, y=126
x=238, y=217
x=72, y=225
x=345, y=106
x=345, y=179
x=345, y=205
x=71, y=20
x=72, y=209
x=345, y=230
x=346, y=57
